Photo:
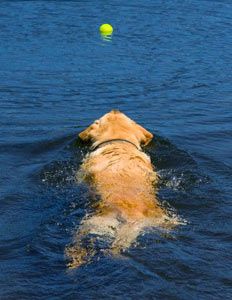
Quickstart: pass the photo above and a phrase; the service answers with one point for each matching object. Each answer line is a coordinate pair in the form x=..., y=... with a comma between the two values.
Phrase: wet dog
x=123, y=177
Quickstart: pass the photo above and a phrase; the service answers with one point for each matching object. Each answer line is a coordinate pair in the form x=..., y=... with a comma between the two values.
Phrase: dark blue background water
x=167, y=66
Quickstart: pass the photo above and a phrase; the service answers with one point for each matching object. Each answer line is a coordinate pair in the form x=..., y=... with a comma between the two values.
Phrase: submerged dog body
x=122, y=175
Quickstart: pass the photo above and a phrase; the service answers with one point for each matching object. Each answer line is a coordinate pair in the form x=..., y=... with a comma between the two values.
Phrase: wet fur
x=122, y=175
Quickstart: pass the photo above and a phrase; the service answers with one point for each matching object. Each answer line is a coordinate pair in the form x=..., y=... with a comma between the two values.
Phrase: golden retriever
x=123, y=177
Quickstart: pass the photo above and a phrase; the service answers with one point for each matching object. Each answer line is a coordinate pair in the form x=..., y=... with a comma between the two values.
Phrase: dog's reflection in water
x=122, y=175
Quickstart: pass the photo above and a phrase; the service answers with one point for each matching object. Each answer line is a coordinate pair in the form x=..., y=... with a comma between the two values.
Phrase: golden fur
x=122, y=175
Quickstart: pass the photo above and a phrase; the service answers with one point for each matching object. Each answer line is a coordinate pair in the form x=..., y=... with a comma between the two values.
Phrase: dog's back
x=123, y=177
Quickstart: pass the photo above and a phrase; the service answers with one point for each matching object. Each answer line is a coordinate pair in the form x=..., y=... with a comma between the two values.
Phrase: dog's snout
x=115, y=111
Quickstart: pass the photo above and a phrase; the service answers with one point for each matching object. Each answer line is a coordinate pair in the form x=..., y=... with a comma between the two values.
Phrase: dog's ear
x=84, y=135
x=146, y=136
x=90, y=133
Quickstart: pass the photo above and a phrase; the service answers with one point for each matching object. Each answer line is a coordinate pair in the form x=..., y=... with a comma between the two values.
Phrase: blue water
x=167, y=66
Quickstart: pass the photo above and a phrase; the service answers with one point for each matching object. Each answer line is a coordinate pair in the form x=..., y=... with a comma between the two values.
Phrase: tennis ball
x=106, y=29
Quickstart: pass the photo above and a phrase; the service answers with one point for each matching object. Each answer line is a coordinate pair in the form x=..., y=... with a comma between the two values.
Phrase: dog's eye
x=96, y=122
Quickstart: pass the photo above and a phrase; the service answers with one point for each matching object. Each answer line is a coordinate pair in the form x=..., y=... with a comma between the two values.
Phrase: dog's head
x=116, y=125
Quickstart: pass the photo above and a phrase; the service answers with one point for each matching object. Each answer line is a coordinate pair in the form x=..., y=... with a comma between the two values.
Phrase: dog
x=124, y=180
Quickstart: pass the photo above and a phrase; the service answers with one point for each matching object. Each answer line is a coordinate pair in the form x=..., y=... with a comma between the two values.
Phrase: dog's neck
x=114, y=141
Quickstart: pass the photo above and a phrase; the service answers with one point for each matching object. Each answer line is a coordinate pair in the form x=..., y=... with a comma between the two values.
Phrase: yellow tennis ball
x=106, y=29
